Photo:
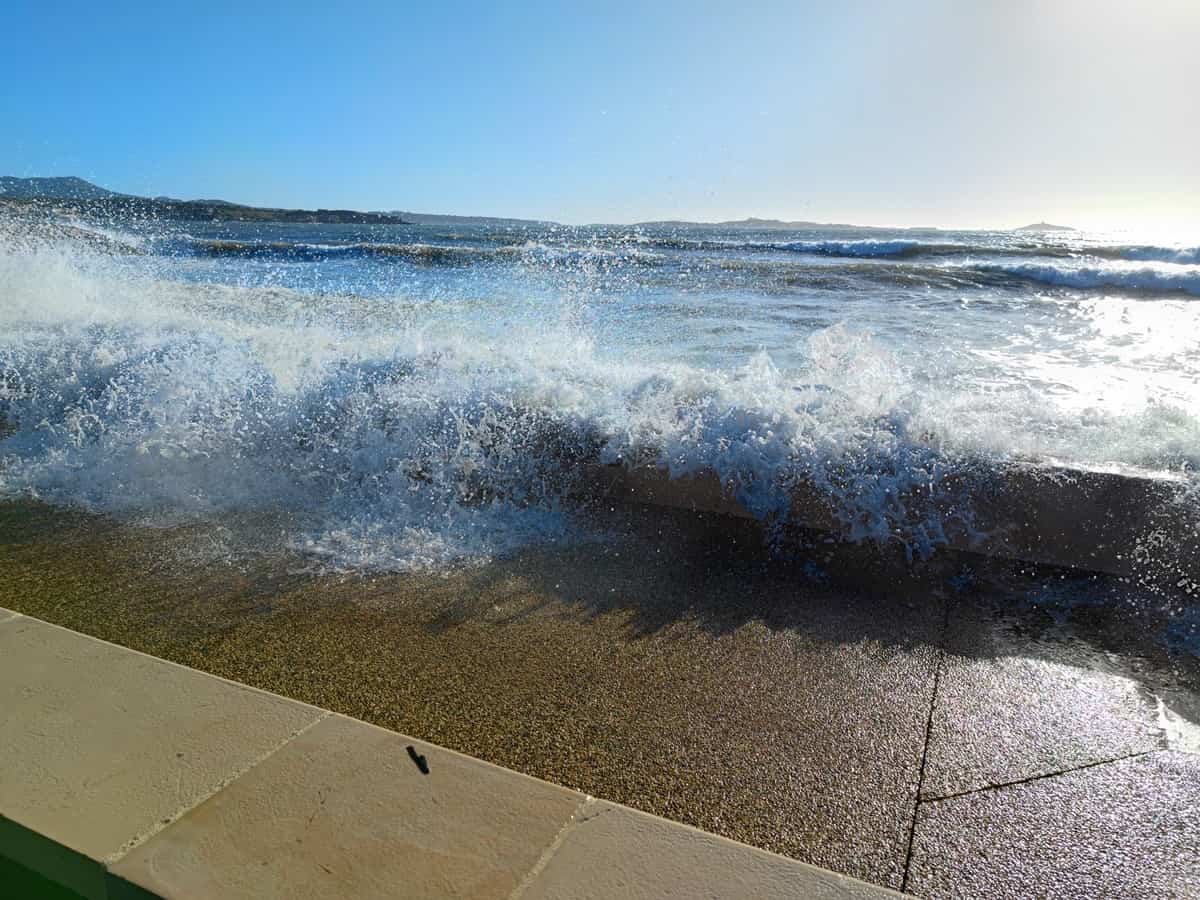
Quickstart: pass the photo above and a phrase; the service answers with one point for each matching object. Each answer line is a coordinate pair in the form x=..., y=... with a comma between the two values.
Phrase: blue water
x=419, y=396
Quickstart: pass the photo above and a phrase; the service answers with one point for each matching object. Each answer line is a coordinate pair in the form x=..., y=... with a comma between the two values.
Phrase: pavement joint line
x=1041, y=777
x=937, y=678
x=544, y=860
x=135, y=842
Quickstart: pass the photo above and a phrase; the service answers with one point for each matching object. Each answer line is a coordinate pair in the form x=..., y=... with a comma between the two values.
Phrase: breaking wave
x=391, y=438
x=1129, y=277
x=291, y=250
x=392, y=448
x=421, y=253
x=648, y=250
x=857, y=248
x=626, y=247
x=1150, y=253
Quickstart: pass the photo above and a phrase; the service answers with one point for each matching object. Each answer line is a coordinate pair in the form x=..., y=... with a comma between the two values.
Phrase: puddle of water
x=1180, y=733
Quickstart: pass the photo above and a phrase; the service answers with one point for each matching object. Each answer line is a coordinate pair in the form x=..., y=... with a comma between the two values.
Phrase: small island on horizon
x=1045, y=226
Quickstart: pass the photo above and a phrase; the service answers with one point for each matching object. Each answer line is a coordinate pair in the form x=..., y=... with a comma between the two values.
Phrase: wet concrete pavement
x=1128, y=828
x=802, y=707
x=1048, y=771
x=1011, y=707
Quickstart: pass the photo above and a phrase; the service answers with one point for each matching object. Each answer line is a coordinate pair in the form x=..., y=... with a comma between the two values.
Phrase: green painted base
x=19, y=883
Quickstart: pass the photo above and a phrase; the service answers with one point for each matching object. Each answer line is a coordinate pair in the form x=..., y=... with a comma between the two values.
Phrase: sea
x=426, y=397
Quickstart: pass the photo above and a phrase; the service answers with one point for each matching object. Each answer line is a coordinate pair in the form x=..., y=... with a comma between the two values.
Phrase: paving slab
x=1127, y=829
x=1010, y=708
x=614, y=851
x=6, y=614
x=102, y=746
x=344, y=810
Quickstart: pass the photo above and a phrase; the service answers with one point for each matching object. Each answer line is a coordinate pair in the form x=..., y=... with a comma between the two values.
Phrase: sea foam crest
x=1152, y=253
x=1161, y=278
x=389, y=447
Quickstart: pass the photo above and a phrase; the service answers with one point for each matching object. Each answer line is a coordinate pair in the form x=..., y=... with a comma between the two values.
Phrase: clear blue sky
x=951, y=112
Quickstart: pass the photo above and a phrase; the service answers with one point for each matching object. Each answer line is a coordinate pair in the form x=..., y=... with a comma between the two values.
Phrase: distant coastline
x=75, y=196
x=71, y=195
x=755, y=224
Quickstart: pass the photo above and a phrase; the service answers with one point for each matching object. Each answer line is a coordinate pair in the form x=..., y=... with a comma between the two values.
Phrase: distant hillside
x=79, y=197
x=439, y=219
x=68, y=188
x=1044, y=226
x=758, y=224
x=753, y=224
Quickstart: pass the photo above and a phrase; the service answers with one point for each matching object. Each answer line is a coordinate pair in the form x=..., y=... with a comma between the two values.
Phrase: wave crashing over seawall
x=389, y=440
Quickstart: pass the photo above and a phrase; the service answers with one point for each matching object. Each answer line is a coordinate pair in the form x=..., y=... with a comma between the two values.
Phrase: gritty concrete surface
x=613, y=851
x=102, y=746
x=691, y=684
x=338, y=808
x=786, y=704
x=1127, y=829
x=1009, y=708
x=6, y=614
x=344, y=811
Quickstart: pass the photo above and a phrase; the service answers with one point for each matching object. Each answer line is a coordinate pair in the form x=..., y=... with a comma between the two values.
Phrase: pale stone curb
x=101, y=746
x=288, y=800
x=609, y=850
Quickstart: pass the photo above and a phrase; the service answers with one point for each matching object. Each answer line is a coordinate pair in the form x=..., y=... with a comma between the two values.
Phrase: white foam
x=1184, y=255
x=396, y=438
x=1162, y=277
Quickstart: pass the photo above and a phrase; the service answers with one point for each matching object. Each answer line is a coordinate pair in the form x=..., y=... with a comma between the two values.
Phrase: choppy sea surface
x=416, y=397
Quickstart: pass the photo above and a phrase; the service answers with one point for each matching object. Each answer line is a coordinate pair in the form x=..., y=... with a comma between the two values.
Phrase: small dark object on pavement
x=419, y=760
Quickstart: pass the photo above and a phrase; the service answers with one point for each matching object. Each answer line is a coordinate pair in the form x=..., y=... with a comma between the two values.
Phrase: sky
x=957, y=113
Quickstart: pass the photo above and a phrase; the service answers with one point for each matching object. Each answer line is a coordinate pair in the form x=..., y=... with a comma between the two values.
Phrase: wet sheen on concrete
x=1122, y=829
x=1010, y=707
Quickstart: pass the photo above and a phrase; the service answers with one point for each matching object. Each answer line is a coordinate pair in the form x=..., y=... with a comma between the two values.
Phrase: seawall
x=1117, y=524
